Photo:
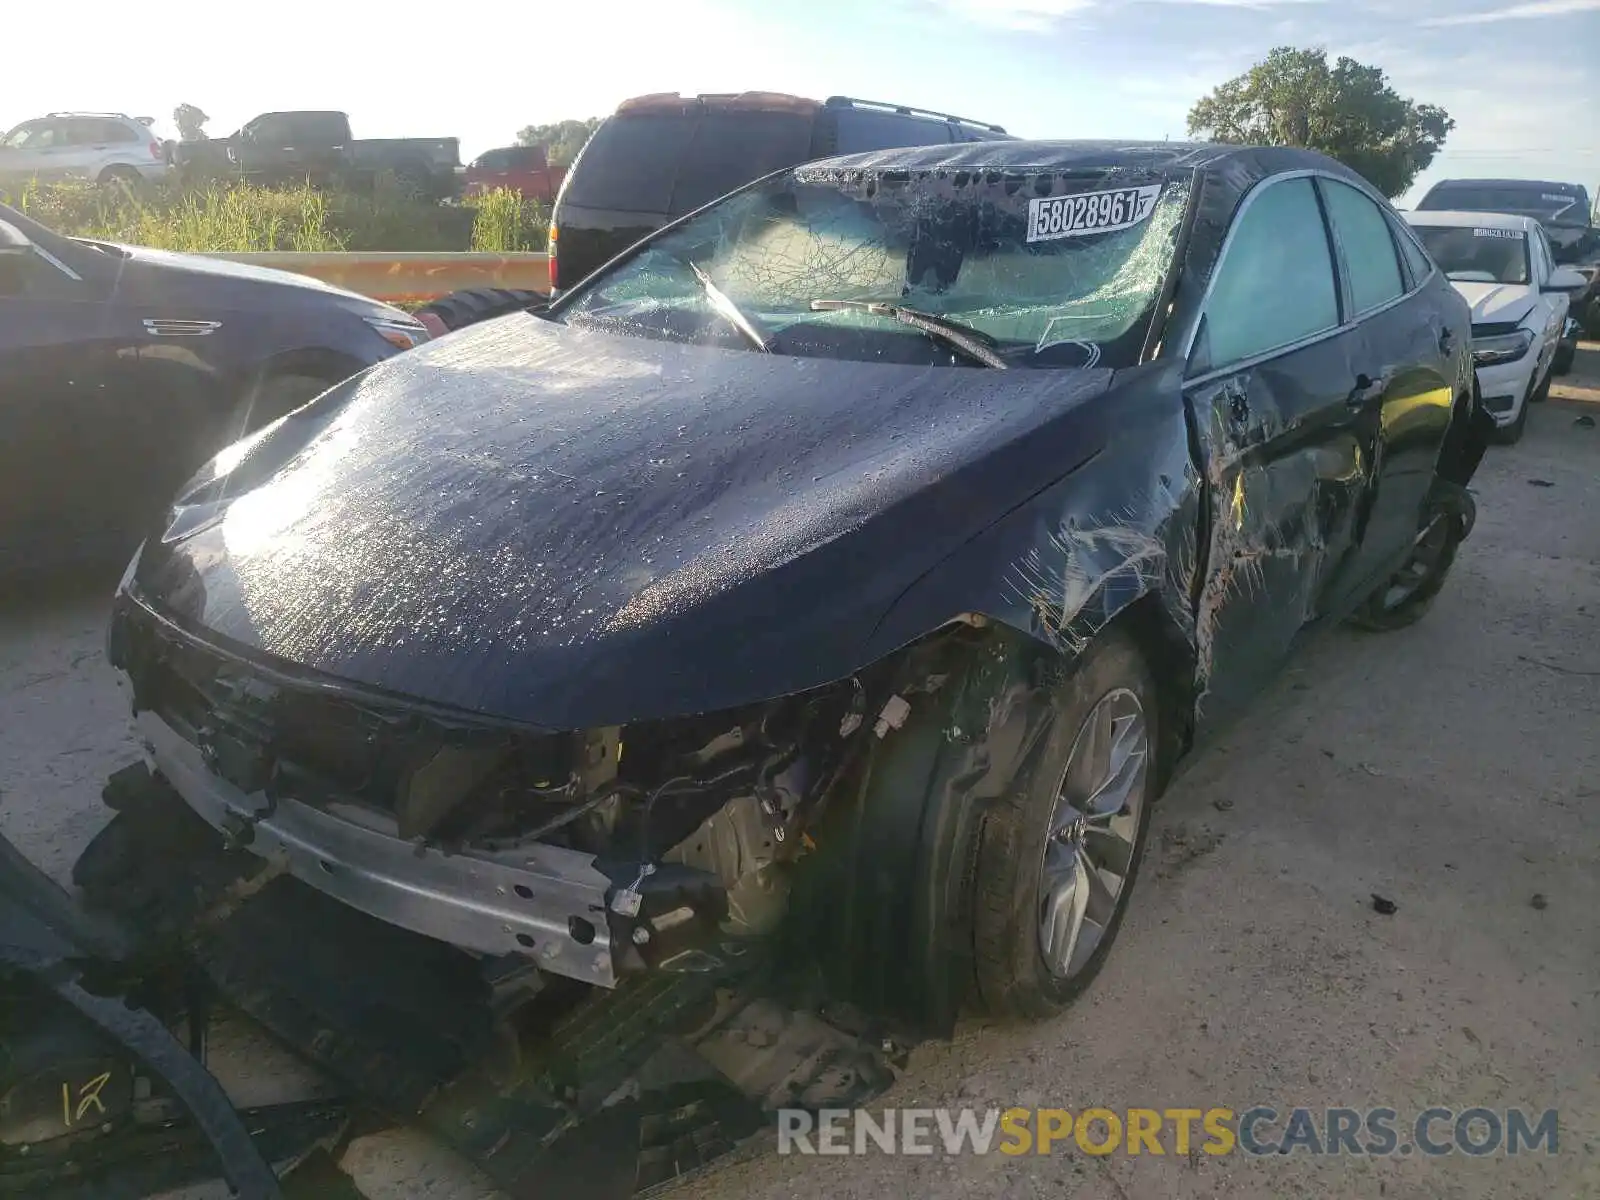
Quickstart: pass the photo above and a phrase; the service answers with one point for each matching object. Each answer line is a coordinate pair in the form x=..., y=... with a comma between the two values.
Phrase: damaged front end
x=594, y=855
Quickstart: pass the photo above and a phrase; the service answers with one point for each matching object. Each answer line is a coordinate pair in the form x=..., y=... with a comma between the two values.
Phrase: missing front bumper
x=541, y=902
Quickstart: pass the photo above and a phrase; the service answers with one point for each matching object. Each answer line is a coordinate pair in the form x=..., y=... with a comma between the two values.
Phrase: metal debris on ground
x=1383, y=905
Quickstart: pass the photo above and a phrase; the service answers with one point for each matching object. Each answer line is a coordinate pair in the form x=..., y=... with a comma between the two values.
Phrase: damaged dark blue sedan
x=823, y=591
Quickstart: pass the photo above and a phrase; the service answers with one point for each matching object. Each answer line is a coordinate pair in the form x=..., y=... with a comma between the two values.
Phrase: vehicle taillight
x=156, y=152
x=551, y=254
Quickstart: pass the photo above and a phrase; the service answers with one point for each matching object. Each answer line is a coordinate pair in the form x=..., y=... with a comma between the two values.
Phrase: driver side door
x=1269, y=381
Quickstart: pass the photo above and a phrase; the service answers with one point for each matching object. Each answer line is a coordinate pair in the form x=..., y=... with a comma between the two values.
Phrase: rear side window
x=732, y=148
x=1275, y=283
x=863, y=131
x=99, y=131
x=1369, y=251
x=1418, y=263
x=631, y=163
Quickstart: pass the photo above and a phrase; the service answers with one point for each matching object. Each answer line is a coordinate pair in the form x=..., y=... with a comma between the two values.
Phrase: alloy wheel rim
x=1094, y=826
x=1424, y=561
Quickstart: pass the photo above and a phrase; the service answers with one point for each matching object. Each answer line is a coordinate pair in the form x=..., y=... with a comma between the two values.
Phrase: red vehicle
x=523, y=169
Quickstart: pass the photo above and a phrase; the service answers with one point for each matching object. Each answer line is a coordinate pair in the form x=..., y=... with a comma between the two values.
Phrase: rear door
x=1409, y=332
x=1268, y=384
x=94, y=142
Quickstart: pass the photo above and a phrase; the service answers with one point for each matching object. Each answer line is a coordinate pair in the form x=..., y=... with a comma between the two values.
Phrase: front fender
x=1061, y=566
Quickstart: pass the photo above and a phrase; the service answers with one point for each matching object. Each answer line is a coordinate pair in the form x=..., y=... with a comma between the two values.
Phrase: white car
x=102, y=147
x=1502, y=266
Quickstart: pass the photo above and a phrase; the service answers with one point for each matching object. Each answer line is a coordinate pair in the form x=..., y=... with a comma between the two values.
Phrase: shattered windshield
x=1032, y=270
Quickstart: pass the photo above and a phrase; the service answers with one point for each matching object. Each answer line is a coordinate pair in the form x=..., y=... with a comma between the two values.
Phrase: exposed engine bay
x=597, y=855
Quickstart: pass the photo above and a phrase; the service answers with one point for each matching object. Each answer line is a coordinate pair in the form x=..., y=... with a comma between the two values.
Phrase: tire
x=1404, y=600
x=1015, y=847
x=468, y=307
x=125, y=178
x=1566, y=353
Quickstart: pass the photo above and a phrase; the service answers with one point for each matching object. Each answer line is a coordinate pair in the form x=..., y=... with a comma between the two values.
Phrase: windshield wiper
x=731, y=312
x=973, y=344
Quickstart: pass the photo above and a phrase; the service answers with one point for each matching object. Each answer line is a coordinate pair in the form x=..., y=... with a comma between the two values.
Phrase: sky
x=1521, y=77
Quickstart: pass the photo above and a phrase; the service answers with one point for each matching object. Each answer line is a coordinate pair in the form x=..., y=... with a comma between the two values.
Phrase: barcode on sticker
x=1051, y=217
x=1514, y=234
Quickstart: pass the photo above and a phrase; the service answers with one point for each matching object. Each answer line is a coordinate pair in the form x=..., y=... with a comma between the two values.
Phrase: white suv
x=103, y=147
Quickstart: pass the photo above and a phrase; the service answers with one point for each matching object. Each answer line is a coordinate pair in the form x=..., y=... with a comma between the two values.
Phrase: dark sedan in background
x=122, y=369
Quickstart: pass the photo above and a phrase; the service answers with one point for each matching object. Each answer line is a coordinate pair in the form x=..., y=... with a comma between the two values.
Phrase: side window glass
x=1275, y=283
x=1368, y=247
x=1417, y=262
x=86, y=132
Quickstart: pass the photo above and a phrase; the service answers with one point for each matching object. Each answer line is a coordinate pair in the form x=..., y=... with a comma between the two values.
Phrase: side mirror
x=1565, y=279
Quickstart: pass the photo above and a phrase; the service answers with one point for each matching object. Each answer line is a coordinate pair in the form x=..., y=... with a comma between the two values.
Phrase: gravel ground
x=1452, y=768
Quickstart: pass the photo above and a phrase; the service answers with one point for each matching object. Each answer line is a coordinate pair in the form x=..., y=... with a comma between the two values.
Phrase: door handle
x=1447, y=341
x=1366, y=392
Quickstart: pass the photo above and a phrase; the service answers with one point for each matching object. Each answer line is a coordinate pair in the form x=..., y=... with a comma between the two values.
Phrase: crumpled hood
x=574, y=529
x=1493, y=303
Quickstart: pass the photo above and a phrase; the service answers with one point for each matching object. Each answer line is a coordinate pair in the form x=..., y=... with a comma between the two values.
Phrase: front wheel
x=1566, y=354
x=1059, y=853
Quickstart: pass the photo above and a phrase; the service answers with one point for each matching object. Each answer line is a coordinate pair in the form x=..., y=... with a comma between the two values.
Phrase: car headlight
x=399, y=331
x=1507, y=347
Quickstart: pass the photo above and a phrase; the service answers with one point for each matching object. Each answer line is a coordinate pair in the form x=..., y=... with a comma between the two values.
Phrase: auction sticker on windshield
x=1051, y=217
x=1512, y=234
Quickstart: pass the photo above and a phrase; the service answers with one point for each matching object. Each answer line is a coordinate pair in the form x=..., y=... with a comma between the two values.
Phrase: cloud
x=1519, y=12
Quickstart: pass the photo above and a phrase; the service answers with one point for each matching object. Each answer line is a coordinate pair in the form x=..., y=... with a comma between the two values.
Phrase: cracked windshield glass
x=821, y=262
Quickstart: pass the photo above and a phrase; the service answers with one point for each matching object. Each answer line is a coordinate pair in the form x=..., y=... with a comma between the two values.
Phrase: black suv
x=663, y=155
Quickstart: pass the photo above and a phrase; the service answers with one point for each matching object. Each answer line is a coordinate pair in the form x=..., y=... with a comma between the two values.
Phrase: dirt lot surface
x=1453, y=768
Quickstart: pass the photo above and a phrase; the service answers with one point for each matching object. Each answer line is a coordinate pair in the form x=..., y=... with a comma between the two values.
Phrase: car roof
x=1481, y=220
x=1173, y=159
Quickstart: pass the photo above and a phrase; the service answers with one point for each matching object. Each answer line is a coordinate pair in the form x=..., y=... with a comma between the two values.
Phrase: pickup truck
x=525, y=170
x=293, y=147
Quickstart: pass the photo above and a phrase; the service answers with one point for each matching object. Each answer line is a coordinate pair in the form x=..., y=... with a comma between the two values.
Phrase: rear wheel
x=1059, y=853
x=123, y=178
x=1408, y=595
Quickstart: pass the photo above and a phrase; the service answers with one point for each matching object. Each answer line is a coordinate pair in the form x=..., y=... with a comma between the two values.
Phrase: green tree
x=1348, y=112
x=561, y=139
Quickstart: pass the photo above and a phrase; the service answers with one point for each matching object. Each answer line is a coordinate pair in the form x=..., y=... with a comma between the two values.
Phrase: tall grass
x=219, y=217
x=507, y=223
